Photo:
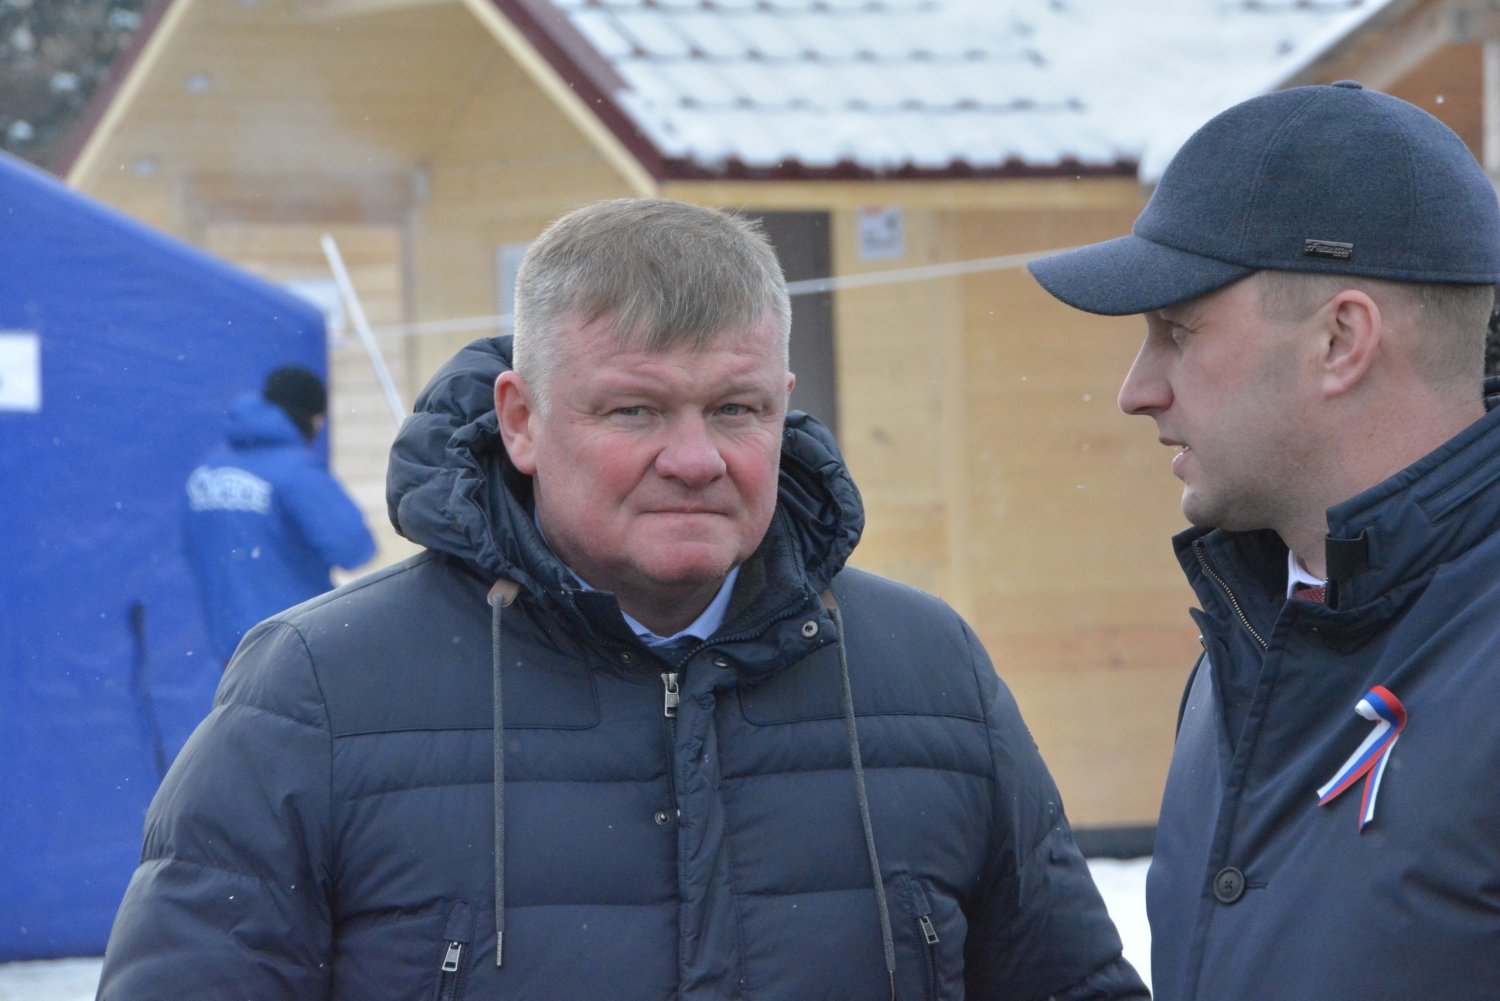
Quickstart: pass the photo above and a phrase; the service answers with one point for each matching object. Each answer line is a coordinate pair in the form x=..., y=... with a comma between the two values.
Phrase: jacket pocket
x=454, y=959
x=935, y=934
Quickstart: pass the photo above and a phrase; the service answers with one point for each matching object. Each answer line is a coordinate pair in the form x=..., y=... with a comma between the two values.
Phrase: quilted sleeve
x=231, y=897
x=1040, y=929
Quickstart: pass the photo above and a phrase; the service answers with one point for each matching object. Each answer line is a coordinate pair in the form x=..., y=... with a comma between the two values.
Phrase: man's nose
x=1145, y=390
x=690, y=453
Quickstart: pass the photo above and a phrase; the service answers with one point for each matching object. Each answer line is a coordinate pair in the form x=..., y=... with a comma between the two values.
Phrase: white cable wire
x=501, y=322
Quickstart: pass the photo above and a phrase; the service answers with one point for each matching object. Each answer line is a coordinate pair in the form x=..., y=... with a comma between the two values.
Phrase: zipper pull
x=450, y=959
x=928, y=932
x=673, y=697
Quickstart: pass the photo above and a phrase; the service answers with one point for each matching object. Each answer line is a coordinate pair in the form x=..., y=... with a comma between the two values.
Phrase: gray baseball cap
x=1332, y=179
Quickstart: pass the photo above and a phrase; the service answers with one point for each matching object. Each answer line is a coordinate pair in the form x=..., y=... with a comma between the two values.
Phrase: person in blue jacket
x=264, y=521
x=629, y=728
x=1316, y=270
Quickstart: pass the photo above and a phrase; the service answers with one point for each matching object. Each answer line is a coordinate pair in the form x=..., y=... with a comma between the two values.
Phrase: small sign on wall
x=20, y=371
x=882, y=232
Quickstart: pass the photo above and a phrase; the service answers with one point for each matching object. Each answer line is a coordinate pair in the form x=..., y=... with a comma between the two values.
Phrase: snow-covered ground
x=1123, y=884
x=53, y=980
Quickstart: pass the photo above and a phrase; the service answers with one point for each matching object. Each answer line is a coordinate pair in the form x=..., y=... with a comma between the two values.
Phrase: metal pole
x=362, y=326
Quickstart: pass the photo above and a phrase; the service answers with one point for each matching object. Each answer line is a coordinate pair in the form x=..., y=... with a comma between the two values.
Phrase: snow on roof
x=921, y=87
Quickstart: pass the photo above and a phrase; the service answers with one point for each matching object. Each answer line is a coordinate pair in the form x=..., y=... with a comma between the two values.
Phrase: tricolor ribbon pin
x=1383, y=709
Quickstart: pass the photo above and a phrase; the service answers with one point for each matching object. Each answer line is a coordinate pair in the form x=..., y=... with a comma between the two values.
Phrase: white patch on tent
x=20, y=371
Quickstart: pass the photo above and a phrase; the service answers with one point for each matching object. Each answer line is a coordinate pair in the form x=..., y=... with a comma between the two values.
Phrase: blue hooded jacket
x=264, y=523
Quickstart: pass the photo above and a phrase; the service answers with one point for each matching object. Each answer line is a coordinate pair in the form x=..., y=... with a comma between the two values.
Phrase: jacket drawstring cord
x=887, y=939
x=501, y=595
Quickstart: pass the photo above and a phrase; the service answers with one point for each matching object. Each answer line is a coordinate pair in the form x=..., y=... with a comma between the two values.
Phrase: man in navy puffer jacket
x=1316, y=270
x=265, y=521
x=628, y=729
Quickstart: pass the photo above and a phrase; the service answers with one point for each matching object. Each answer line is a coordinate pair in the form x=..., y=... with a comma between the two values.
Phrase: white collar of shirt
x=705, y=625
x=1297, y=577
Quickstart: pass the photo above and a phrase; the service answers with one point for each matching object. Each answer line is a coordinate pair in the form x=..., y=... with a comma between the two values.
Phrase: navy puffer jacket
x=332, y=828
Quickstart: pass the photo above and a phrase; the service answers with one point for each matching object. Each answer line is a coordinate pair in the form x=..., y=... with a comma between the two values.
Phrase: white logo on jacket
x=228, y=489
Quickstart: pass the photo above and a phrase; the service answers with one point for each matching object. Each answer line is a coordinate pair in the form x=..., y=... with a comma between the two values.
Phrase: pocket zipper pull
x=450, y=959
x=928, y=932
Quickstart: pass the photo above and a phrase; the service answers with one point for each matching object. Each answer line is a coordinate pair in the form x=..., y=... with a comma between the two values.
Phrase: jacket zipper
x=1234, y=602
x=929, y=935
x=672, y=694
x=451, y=973
x=671, y=699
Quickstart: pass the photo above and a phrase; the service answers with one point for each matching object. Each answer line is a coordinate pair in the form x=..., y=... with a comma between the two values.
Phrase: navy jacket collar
x=1384, y=542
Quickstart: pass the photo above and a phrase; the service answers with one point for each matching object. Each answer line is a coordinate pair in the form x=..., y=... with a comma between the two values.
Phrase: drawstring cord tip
x=499, y=949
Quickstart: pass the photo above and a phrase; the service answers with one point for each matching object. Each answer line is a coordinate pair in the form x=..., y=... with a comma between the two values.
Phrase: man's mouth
x=1177, y=457
x=1173, y=443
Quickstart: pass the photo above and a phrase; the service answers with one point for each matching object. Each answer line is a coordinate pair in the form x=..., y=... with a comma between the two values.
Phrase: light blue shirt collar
x=704, y=626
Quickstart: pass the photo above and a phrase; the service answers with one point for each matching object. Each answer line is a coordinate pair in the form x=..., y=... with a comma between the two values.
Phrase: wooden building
x=914, y=154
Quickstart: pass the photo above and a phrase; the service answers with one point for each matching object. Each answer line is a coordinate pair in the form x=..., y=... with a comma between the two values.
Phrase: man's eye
x=629, y=411
x=734, y=410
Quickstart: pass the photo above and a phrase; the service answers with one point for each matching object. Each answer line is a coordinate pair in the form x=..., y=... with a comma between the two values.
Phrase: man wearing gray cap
x=1316, y=269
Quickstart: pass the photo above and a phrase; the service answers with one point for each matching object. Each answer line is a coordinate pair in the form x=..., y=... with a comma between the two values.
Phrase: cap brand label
x=1327, y=248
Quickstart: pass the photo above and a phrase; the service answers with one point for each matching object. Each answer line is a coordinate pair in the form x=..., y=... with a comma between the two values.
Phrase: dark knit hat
x=1332, y=179
x=298, y=392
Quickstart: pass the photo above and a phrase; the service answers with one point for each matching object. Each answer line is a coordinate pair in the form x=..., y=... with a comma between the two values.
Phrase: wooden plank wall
x=980, y=422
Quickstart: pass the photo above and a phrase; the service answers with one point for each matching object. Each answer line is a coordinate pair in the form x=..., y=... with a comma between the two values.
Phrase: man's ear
x=1352, y=326
x=515, y=411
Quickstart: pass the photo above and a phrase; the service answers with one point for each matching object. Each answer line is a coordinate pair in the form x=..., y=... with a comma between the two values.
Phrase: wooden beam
x=86, y=166
x=321, y=10
x=1085, y=194
x=384, y=198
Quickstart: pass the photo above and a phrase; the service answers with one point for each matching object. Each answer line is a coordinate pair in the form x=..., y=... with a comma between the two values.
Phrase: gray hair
x=1451, y=320
x=666, y=274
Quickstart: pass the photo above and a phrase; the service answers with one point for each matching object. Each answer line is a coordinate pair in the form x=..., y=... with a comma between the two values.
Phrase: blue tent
x=120, y=353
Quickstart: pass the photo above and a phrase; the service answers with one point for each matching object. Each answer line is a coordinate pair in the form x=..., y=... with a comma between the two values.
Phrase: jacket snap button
x=627, y=656
x=1229, y=885
x=662, y=818
x=721, y=662
x=809, y=629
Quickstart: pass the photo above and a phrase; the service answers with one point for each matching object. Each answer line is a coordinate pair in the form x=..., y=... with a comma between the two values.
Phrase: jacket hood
x=256, y=423
x=451, y=487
